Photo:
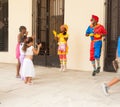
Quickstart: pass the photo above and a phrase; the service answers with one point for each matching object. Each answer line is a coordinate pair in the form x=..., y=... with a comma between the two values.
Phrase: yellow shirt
x=61, y=38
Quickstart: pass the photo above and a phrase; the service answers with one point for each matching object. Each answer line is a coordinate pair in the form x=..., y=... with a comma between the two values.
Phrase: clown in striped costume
x=95, y=31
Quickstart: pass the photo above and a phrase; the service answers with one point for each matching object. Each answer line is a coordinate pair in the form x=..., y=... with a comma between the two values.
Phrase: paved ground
x=53, y=88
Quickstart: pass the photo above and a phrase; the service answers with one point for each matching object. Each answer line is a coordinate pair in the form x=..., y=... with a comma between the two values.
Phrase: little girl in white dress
x=28, y=67
x=22, y=55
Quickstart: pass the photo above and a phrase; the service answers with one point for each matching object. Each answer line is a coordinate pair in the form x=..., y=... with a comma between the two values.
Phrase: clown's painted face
x=93, y=21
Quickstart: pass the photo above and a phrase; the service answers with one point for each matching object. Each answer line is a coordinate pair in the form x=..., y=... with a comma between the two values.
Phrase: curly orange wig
x=64, y=26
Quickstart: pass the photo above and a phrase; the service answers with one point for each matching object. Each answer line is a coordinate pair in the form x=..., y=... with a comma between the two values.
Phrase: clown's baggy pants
x=95, y=50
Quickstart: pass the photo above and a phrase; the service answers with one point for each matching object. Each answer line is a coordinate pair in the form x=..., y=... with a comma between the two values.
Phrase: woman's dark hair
x=25, y=46
x=21, y=28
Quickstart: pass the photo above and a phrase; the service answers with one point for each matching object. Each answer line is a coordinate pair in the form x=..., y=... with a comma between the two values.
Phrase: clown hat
x=65, y=26
x=96, y=18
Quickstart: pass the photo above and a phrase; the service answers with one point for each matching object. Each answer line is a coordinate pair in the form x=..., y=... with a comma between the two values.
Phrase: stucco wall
x=20, y=13
x=77, y=16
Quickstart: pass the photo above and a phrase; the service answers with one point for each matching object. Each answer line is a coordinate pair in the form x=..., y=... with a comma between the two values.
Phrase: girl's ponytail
x=25, y=47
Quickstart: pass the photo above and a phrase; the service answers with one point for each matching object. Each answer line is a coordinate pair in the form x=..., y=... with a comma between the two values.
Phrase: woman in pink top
x=23, y=32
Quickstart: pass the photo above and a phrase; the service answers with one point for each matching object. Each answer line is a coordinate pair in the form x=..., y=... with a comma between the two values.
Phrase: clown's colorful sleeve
x=104, y=32
x=66, y=36
x=59, y=35
x=100, y=30
x=89, y=31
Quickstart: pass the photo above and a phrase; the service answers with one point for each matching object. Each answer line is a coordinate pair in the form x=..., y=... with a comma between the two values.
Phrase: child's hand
x=33, y=36
x=39, y=45
x=55, y=33
x=26, y=32
x=116, y=59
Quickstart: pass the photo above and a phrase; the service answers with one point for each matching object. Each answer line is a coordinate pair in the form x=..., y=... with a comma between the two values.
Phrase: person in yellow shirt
x=62, y=38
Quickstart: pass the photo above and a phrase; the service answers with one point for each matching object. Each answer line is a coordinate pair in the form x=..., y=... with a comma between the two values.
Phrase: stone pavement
x=53, y=88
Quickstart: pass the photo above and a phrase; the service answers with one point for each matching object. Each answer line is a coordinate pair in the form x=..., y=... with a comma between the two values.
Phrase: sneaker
x=18, y=76
x=105, y=89
x=98, y=70
x=94, y=73
x=64, y=69
x=61, y=69
x=31, y=83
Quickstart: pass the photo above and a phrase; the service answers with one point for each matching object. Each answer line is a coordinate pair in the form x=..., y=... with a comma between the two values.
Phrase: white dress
x=22, y=55
x=28, y=67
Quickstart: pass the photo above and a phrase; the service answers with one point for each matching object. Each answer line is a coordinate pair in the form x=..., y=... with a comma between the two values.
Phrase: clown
x=96, y=32
x=62, y=45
